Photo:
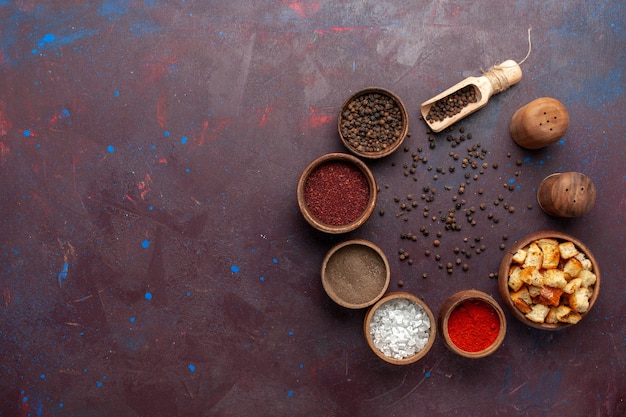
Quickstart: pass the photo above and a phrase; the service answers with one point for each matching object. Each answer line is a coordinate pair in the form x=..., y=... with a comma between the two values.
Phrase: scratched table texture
x=153, y=259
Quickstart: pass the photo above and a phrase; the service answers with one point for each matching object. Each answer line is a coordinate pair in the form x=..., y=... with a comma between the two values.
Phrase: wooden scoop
x=494, y=81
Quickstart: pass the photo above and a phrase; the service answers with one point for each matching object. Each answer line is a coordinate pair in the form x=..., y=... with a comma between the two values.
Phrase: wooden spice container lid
x=539, y=123
x=454, y=302
x=567, y=194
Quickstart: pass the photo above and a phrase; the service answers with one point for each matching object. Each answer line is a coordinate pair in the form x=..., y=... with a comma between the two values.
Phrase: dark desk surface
x=154, y=262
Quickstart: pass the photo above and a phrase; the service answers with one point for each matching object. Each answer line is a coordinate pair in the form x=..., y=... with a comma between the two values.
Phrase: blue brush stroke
x=63, y=274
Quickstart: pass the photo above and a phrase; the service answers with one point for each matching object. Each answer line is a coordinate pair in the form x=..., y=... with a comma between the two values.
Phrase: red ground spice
x=473, y=326
x=336, y=193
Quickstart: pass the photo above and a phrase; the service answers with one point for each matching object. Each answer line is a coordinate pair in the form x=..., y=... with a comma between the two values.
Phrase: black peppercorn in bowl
x=336, y=193
x=373, y=123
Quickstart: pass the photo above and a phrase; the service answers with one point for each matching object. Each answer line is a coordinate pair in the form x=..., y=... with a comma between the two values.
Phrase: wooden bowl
x=505, y=266
x=355, y=273
x=385, y=138
x=309, y=214
x=392, y=297
x=458, y=301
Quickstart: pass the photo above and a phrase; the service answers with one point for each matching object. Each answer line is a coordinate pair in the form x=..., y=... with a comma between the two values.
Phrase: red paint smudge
x=5, y=124
x=161, y=112
x=4, y=153
x=268, y=109
x=163, y=160
x=129, y=198
x=144, y=186
x=6, y=293
x=304, y=10
x=336, y=29
x=154, y=68
x=318, y=120
x=211, y=131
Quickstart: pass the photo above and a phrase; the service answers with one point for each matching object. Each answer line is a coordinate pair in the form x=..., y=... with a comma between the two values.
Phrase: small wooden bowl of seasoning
x=549, y=280
x=355, y=273
x=373, y=123
x=336, y=193
x=400, y=328
x=472, y=324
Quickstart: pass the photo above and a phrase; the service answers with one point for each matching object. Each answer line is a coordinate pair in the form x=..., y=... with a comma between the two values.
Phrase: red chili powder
x=473, y=326
x=336, y=193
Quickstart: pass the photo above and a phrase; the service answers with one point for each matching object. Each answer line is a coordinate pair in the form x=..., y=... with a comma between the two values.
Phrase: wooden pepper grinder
x=539, y=123
x=567, y=194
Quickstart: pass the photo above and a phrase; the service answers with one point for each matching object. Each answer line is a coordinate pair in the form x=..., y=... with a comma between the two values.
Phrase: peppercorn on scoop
x=469, y=95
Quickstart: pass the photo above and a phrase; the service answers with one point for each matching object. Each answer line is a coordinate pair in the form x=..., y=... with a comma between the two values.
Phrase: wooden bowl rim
x=331, y=292
x=336, y=157
x=431, y=337
x=505, y=264
x=452, y=303
x=405, y=125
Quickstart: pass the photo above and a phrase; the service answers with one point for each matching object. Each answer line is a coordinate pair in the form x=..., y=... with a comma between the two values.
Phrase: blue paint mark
x=42, y=376
x=291, y=332
x=148, y=296
x=27, y=132
x=290, y=394
x=562, y=142
x=262, y=279
x=150, y=208
x=301, y=366
x=110, y=149
x=527, y=159
x=63, y=274
x=109, y=8
x=48, y=37
x=183, y=140
x=275, y=260
x=166, y=133
x=512, y=180
x=25, y=399
x=116, y=93
x=427, y=374
x=145, y=244
x=187, y=170
x=99, y=384
x=234, y=268
x=60, y=405
x=65, y=113
x=132, y=319
x=192, y=368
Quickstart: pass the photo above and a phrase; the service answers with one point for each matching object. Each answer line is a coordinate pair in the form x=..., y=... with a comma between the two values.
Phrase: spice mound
x=337, y=193
x=473, y=326
x=400, y=328
x=356, y=274
x=451, y=104
x=371, y=122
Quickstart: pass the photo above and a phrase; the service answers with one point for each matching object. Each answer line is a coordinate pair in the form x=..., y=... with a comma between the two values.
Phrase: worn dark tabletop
x=153, y=260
